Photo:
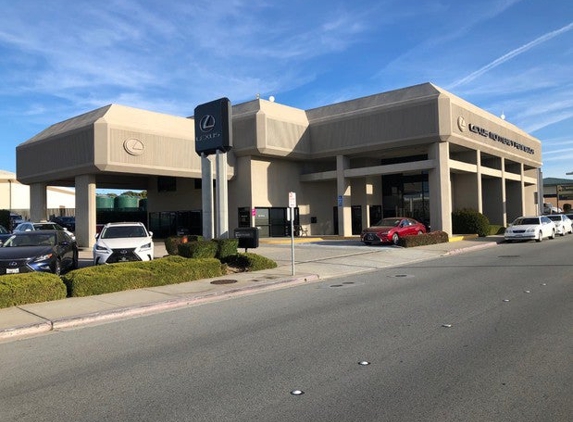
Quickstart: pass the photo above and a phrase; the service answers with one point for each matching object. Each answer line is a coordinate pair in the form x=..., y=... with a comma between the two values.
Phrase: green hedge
x=226, y=248
x=19, y=289
x=135, y=275
x=198, y=249
x=172, y=243
x=250, y=262
x=430, y=238
x=468, y=221
x=496, y=229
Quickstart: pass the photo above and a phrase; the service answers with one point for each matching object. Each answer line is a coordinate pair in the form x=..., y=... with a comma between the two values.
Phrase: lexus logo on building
x=207, y=123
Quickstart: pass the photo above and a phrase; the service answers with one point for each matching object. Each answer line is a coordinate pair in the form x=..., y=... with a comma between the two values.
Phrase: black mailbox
x=248, y=237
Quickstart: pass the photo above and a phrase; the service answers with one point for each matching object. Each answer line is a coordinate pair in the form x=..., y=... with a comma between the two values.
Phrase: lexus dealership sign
x=213, y=127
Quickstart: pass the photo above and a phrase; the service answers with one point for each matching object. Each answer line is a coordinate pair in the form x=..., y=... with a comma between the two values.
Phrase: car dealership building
x=419, y=152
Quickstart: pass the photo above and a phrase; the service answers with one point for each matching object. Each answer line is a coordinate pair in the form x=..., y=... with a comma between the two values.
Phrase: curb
x=471, y=248
x=146, y=309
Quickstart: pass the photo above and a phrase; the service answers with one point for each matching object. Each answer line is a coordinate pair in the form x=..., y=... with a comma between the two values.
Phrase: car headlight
x=100, y=248
x=146, y=246
x=43, y=257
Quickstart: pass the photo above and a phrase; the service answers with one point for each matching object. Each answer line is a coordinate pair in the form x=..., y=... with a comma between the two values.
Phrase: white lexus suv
x=123, y=242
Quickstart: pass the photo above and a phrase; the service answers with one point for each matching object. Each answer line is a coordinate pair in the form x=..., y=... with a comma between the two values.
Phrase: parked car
x=123, y=242
x=391, y=229
x=42, y=225
x=51, y=251
x=562, y=224
x=4, y=234
x=15, y=219
x=529, y=228
x=68, y=222
x=551, y=209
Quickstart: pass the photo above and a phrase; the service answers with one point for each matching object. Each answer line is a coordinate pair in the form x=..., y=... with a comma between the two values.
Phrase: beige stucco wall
x=185, y=198
x=464, y=137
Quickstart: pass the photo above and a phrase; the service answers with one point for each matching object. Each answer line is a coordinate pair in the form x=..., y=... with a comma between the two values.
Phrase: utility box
x=248, y=237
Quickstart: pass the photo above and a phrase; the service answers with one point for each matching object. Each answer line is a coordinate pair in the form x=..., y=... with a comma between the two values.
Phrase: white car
x=528, y=228
x=123, y=242
x=563, y=224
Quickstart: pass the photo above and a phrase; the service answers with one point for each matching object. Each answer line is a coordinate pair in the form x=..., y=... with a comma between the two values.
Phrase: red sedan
x=391, y=229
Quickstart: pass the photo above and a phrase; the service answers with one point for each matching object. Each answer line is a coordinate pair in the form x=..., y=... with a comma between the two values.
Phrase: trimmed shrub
x=19, y=289
x=135, y=275
x=250, y=262
x=468, y=221
x=172, y=243
x=431, y=238
x=198, y=249
x=496, y=229
x=226, y=248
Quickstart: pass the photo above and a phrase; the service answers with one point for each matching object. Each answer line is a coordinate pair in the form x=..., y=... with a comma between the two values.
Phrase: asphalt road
x=482, y=336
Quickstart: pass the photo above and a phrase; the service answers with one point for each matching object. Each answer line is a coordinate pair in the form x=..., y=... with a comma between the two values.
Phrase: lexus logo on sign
x=207, y=123
x=213, y=127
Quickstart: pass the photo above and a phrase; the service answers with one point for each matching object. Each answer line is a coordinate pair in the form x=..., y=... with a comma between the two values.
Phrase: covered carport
x=112, y=147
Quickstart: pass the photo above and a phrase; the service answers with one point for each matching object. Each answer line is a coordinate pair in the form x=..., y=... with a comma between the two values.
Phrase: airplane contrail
x=511, y=55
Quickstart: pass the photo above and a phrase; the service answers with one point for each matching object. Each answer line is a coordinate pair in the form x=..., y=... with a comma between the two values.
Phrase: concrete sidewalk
x=315, y=259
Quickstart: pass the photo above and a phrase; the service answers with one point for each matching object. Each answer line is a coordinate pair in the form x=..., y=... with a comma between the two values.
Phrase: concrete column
x=503, y=194
x=345, y=197
x=38, y=202
x=85, y=210
x=440, y=188
x=207, y=197
x=372, y=187
x=222, y=197
x=479, y=184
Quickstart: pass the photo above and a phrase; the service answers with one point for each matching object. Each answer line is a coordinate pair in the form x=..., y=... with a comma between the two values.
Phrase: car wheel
x=420, y=232
x=75, y=262
x=540, y=237
x=552, y=235
x=57, y=267
x=395, y=238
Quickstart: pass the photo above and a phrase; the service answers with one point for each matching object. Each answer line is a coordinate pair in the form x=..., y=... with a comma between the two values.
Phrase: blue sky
x=61, y=58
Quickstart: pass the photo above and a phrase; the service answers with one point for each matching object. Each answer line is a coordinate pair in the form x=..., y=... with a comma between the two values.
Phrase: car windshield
x=389, y=222
x=44, y=239
x=554, y=217
x=47, y=226
x=123, y=231
x=525, y=221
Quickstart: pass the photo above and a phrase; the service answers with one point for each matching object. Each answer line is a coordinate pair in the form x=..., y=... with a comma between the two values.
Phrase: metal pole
x=292, y=239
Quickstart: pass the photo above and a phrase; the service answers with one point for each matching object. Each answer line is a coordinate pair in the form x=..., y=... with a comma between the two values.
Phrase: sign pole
x=291, y=205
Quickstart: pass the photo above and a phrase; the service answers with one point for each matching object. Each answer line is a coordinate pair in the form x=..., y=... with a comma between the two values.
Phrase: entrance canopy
x=120, y=146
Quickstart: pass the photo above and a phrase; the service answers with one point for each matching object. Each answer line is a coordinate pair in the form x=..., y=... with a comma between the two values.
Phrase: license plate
x=12, y=270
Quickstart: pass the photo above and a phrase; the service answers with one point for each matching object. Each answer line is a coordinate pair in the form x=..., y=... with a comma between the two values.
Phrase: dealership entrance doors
x=273, y=222
x=406, y=196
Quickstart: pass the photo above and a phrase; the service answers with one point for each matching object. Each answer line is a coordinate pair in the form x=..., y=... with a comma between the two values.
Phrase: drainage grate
x=400, y=276
x=225, y=281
